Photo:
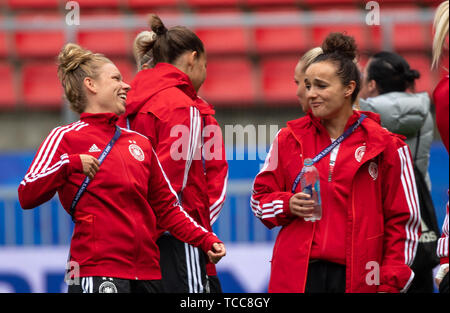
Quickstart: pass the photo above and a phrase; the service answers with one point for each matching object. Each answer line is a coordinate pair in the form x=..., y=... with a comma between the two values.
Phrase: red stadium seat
x=276, y=39
x=140, y=4
x=278, y=81
x=98, y=4
x=7, y=91
x=109, y=42
x=270, y=2
x=411, y=37
x=41, y=87
x=229, y=83
x=212, y=3
x=223, y=40
x=422, y=63
x=329, y=3
x=31, y=42
x=33, y=4
x=3, y=47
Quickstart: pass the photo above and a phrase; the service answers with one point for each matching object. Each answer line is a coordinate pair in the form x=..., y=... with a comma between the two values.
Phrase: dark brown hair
x=341, y=50
x=169, y=44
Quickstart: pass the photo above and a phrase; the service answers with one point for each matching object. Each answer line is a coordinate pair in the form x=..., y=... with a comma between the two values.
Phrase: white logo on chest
x=359, y=153
x=373, y=170
x=136, y=151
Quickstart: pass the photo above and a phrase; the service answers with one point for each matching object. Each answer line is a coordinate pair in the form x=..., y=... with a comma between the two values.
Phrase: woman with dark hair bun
x=388, y=89
x=164, y=106
x=367, y=236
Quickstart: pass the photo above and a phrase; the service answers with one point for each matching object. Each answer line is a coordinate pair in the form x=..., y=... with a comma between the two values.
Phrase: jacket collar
x=99, y=118
x=375, y=136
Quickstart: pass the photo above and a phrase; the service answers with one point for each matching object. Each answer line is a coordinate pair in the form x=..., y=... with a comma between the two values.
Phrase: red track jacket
x=116, y=218
x=381, y=214
x=163, y=105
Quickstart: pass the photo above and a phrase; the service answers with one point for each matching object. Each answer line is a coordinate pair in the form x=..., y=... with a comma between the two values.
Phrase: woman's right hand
x=300, y=205
x=90, y=165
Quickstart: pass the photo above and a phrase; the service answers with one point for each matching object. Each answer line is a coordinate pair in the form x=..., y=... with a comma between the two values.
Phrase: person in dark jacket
x=388, y=89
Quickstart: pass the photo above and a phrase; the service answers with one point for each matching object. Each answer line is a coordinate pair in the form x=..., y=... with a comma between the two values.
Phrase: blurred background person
x=441, y=102
x=115, y=204
x=163, y=104
x=388, y=89
x=369, y=207
x=299, y=75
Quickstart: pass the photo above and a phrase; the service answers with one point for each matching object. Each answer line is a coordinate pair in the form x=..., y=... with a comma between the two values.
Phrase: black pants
x=183, y=267
x=95, y=284
x=422, y=282
x=325, y=277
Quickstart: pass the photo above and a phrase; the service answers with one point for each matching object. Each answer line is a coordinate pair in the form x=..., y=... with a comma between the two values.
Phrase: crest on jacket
x=359, y=153
x=136, y=151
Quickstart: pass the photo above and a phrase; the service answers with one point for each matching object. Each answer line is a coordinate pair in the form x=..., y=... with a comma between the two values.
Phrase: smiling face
x=109, y=91
x=326, y=96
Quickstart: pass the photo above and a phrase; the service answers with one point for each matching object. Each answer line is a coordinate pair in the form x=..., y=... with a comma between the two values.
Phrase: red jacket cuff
x=444, y=260
x=208, y=242
x=75, y=164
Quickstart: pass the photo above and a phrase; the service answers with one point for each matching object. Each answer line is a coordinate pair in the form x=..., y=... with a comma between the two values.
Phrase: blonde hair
x=440, y=28
x=308, y=58
x=142, y=48
x=74, y=65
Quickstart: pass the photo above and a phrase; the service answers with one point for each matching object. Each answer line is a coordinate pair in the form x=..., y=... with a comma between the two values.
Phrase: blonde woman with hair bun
x=441, y=102
x=111, y=183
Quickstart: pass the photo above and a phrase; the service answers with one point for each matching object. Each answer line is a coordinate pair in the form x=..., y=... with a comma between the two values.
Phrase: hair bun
x=412, y=75
x=157, y=25
x=340, y=43
x=71, y=56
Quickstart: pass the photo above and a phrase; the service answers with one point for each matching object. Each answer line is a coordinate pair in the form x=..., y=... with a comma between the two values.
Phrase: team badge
x=373, y=170
x=107, y=287
x=359, y=153
x=136, y=151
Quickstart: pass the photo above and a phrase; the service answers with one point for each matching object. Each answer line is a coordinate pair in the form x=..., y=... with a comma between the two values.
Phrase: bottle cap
x=308, y=162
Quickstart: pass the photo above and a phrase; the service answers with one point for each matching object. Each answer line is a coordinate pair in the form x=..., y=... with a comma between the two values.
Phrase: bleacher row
x=248, y=65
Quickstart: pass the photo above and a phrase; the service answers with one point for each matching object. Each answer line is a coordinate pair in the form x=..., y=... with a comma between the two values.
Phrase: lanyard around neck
x=328, y=149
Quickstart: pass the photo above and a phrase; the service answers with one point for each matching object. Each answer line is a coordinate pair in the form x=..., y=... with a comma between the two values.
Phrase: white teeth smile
x=123, y=97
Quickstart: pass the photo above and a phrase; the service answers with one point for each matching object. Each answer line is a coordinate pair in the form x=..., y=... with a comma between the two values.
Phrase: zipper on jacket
x=307, y=258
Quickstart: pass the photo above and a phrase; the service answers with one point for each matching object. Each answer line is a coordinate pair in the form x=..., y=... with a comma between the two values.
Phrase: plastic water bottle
x=310, y=185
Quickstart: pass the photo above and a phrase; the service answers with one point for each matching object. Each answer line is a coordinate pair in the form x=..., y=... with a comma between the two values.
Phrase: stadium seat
x=270, y=2
x=30, y=43
x=277, y=39
x=7, y=91
x=229, y=83
x=411, y=37
x=223, y=40
x=3, y=45
x=278, y=81
x=99, y=4
x=328, y=3
x=109, y=42
x=40, y=86
x=33, y=4
x=212, y=3
x=422, y=63
x=141, y=4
